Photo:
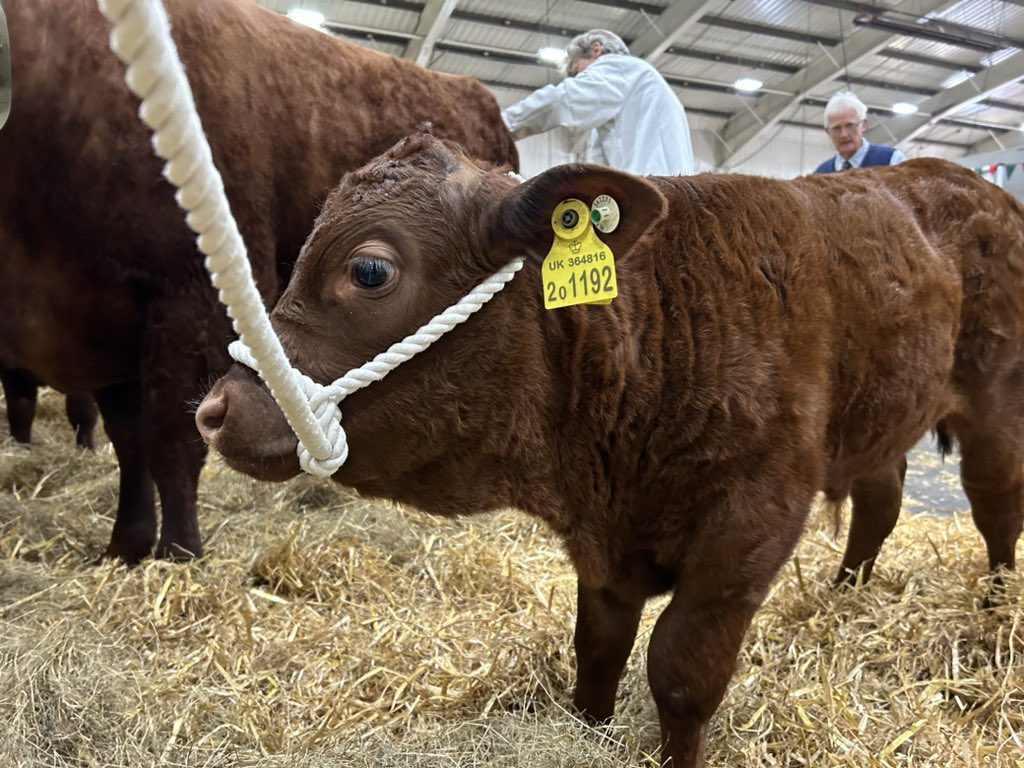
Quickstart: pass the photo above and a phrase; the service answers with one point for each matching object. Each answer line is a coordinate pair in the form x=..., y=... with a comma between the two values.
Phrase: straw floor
x=326, y=630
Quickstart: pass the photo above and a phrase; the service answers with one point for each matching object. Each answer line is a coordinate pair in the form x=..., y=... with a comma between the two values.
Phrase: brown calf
x=769, y=339
x=101, y=285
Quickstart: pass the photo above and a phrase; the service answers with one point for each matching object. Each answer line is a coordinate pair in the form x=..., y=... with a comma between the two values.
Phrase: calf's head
x=397, y=242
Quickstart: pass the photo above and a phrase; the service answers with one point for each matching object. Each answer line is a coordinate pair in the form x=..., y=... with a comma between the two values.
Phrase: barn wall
x=780, y=158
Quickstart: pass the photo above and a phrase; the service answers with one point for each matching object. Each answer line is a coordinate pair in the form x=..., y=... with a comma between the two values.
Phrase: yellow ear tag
x=579, y=268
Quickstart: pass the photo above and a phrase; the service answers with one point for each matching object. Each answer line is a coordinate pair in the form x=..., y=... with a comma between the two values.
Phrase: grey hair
x=579, y=46
x=844, y=100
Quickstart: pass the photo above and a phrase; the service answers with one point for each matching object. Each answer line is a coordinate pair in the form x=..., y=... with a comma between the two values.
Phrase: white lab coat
x=639, y=124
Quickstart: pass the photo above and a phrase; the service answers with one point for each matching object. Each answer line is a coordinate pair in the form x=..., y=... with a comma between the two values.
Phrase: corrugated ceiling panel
x=281, y=6
x=708, y=100
x=570, y=14
x=371, y=16
x=1003, y=18
x=1010, y=92
x=752, y=45
x=900, y=71
x=951, y=134
x=729, y=44
x=937, y=50
x=799, y=17
x=392, y=49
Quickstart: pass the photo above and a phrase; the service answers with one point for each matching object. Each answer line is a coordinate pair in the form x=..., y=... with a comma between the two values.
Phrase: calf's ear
x=521, y=223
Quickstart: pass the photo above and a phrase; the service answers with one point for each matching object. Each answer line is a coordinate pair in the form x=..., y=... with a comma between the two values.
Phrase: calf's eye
x=372, y=273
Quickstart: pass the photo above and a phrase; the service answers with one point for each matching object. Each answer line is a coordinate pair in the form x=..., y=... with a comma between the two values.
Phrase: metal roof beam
x=507, y=23
x=948, y=102
x=676, y=19
x=929, y=61
x=867, y=82
x=749, y=125
x=768, y=30
x=996, y=143
x=432, y=21
x=728, y=58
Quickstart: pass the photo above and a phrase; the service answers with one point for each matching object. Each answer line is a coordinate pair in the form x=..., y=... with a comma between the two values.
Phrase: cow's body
x=101, y=285
x=770, y=339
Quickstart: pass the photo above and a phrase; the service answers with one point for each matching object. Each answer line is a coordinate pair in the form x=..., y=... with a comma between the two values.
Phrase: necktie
x=847, y=165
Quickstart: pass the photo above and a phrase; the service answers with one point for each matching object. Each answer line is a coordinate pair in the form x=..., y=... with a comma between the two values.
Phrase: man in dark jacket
x=845, y=121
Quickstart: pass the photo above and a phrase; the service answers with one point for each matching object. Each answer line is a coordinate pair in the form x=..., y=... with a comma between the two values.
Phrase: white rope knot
x=328, y=415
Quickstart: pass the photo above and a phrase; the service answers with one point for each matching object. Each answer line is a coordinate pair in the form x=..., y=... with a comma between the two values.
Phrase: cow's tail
x=943, y=439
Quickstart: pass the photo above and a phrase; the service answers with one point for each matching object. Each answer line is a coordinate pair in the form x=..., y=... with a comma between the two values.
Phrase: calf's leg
x=173, y=367
x=135, y=525
x=176, y=465
x=693, y=649
x=876, y=506
x=20, y=392
x=992, y=475
x=606, y=627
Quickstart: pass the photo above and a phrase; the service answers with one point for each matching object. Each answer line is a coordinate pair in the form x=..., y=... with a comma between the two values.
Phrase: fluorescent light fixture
x=747, y=84
x=904, y=108
x=552, y=55
x=956, y=78
x=1021, y=127
x=313, y=19
x=933, y=29
x=997, y=57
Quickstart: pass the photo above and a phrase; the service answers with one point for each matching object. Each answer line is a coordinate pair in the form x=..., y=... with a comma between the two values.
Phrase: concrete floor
x=932, y=485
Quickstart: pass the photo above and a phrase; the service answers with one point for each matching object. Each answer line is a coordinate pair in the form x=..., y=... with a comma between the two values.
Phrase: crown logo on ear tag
x=579, y=268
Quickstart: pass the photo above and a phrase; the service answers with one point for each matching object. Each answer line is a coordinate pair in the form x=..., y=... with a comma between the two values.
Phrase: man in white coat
x=638, y=123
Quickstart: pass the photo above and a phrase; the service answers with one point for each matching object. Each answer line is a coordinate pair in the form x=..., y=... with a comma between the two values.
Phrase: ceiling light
x=747, y=84
x=313, y=19
x=904, y=108
x=998, y=56
x=956, y=78
x=552, y=55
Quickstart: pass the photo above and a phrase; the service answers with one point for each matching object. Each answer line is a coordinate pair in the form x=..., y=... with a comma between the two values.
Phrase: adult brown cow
x=101, y=285
x=770, y=339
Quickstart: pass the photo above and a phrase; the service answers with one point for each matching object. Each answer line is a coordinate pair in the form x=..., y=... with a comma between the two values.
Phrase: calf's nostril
x=211, y=414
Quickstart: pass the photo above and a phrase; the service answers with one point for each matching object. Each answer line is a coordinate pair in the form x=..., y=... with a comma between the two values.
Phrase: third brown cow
x=769, y=339
x=102, y=287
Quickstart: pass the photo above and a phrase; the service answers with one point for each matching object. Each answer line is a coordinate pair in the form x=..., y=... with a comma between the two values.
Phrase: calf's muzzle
x=239, y=419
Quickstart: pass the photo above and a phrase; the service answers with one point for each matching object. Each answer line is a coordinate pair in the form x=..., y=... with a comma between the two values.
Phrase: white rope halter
x=141, y=38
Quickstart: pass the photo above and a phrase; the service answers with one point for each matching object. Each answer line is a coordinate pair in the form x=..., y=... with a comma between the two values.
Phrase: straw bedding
x=327, y=630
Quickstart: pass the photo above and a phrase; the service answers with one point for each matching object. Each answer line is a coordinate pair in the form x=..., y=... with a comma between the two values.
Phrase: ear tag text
x=579, y=268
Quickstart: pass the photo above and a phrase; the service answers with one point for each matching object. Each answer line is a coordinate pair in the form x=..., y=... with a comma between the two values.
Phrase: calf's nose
x=211, y=414
x=240, y=420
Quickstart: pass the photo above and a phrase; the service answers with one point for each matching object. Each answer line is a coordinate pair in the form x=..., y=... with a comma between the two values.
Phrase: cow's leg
x=876, y=506
x=606, y=627
x=20, y=392
x=992, y=473
x=693, y=649
x=82, y=415
x=135, y=525
x=174, y=369
x=178, y=456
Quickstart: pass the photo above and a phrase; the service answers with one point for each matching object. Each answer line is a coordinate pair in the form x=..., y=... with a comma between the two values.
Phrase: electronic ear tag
x=579, y=268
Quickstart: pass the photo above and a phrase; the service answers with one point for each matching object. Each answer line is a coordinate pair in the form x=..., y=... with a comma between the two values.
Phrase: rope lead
x=141, y=38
